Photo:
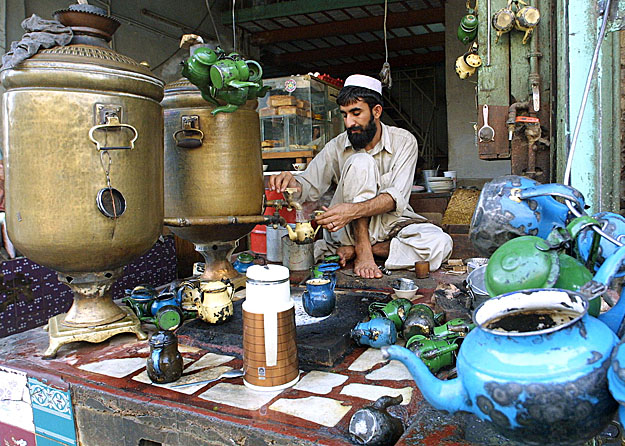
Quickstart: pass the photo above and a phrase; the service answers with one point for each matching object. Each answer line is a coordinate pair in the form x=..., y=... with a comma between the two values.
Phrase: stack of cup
x=451, y=174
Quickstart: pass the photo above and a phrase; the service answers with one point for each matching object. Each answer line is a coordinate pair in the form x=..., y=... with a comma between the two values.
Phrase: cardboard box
x=280, y=100
x=267, y=111
x=287, y=110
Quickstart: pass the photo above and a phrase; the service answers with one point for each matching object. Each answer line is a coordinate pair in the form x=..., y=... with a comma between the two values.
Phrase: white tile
x=393, y=371
x=367, y=360
x=320, y=382
x=212, y=373
x=209, y=360
x=117, y=368
x=320, y=410
x=239, y=396
x=372, y=393
x=15, y=406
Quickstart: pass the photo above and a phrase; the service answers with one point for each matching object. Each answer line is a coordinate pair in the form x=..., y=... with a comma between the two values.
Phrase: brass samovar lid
x=87, y=62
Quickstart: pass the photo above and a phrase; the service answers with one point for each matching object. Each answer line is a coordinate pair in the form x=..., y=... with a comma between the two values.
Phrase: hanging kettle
x=467, y=30
x=512, y=206
x=526, y=19
x=503, y=20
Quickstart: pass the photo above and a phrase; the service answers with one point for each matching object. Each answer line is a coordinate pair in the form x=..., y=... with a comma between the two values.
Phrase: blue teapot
x=511, y=206
x=535, y=366
x=378, y=332
x=319, y=299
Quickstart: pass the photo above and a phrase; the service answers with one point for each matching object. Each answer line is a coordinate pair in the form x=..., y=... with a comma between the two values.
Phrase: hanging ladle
x=486, y=133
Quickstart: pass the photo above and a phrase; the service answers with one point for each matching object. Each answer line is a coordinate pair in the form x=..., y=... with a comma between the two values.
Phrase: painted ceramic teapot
x=511, y=206
x=535, y=366
x=164, y=364
x=319, y=299
x=214, y=302
x=303, y=232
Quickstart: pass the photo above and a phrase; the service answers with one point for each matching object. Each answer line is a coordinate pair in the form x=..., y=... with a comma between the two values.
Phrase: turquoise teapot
x=536, y=364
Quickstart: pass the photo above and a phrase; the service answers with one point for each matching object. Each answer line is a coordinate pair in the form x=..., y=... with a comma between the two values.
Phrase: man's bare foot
x=345, y=253
x=366, y=268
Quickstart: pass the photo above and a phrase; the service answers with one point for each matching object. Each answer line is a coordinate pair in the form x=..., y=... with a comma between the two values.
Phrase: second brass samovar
x=213, y=175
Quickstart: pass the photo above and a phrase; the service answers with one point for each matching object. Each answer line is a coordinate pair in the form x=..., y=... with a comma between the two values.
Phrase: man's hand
x=337, y=216
x=282, y=181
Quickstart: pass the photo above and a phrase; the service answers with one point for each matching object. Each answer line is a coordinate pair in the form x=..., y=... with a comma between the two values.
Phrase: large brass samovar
x=213, y=175
x=84, y=169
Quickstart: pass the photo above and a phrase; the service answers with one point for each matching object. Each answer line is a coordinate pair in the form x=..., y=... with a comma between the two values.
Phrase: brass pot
x=213, y=170
x=66, y=111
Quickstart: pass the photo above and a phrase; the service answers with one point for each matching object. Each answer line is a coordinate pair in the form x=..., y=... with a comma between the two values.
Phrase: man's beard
x=364, y=136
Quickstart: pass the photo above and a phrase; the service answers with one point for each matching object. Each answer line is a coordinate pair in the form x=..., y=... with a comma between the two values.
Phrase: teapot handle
x=229, y=287
x=156, y=361
x=552, y=189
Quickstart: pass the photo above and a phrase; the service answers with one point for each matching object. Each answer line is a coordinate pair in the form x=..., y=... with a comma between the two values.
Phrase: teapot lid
x=268, y=273
x=162, y=338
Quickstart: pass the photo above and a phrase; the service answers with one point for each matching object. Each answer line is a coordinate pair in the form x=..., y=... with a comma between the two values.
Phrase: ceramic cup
x=451, y=174
x=422, y=269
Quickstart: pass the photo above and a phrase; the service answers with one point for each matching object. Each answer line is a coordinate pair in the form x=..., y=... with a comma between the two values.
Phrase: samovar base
x=217, y=264
x=93, y=304
x=60, y=334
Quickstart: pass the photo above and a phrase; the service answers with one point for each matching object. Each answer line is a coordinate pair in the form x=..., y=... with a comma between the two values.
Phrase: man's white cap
x=360, y=80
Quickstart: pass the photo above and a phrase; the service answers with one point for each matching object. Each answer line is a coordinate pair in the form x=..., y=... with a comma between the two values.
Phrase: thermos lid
x=267, y=273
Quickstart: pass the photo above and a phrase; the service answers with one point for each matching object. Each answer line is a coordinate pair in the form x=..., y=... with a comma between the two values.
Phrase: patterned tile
x=52, y=412
x=30, y=294
x=16, y=414
x=45, y=441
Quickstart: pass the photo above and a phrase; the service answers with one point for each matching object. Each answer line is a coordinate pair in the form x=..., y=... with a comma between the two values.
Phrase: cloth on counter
x=40, y=33
x=422, y=241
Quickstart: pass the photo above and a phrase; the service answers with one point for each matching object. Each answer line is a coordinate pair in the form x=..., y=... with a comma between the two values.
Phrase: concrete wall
x=141, y=37
x=461, y=108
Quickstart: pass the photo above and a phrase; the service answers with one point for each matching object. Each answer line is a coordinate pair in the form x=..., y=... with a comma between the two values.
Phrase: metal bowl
x=476, y=286
x=475, y=262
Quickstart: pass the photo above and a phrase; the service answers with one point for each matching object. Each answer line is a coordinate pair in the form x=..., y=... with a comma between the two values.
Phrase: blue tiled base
x=52, y=413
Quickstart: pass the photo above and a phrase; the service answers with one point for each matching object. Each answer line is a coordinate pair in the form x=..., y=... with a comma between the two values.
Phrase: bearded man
x=373, y=167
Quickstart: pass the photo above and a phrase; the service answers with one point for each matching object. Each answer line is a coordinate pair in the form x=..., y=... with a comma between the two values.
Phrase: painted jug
x=378, y=332
x=164, y=363
x=374, y=426
x=319, y=299
x=214, y=302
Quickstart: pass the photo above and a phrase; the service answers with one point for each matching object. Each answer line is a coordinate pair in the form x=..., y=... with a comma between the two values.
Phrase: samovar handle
x=112, y=122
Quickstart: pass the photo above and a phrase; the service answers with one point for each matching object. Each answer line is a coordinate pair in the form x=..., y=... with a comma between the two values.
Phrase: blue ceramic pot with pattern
x=377, y=333
x=536, y=366
x=545, y=386
x=319, y=299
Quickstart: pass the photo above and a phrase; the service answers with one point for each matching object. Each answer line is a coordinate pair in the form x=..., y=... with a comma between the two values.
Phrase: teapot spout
x=443, y=395
x=605, y=274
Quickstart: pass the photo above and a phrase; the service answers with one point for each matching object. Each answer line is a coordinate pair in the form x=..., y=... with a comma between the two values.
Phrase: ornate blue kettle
x=511, y=206
x=535, y=366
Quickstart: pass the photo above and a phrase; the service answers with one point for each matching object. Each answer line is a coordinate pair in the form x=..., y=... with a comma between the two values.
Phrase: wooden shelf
x=299, y=155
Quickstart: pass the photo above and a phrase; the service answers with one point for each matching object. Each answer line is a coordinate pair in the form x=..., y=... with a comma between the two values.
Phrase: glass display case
x=298, y=114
